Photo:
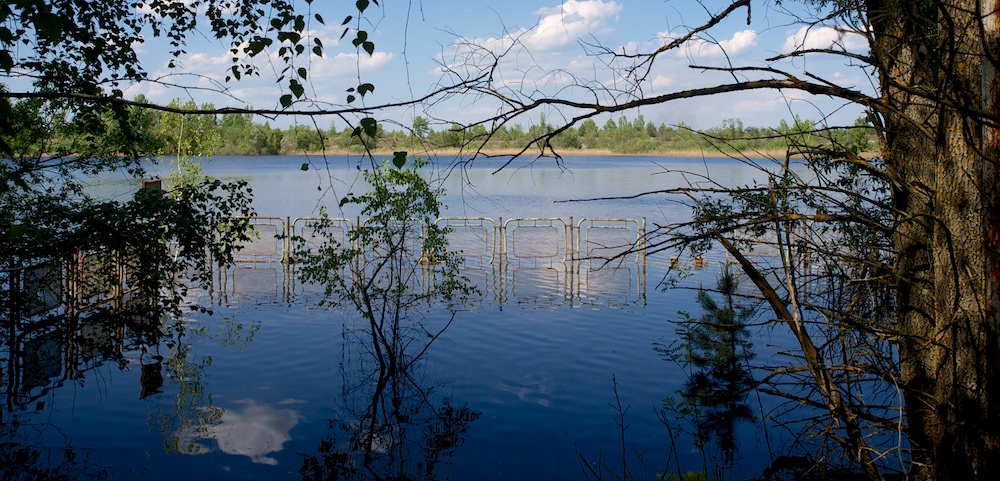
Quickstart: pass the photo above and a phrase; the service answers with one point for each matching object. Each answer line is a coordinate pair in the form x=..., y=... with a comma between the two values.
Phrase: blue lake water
x=524, y=382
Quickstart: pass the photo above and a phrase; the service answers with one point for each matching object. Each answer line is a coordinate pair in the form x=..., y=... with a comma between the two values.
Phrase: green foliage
x=378, y=272
x=421, y=127
x=302, y=139
x=188, y=134
x=72, y=46
x=387, y=252
x=25, y=128
x=167, y=243
x=588, y=129
x=238, y=134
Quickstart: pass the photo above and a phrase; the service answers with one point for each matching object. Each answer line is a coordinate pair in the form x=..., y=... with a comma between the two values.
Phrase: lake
x=549, y=368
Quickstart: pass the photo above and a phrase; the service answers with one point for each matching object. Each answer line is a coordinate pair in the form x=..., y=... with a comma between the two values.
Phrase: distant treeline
x=166, y=133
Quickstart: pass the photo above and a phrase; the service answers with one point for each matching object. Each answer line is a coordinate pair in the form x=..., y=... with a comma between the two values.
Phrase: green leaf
x=365, y=88
x=257, y=45
x=347, y=20
x=18, y=230
x=369, y=47
x=286, y=100
x=49, y=26
x=370, y=126
x=362, y=5
x=293, y=37
x=6, y=61
x=319, y=18
x=297, y=89
x=302, y=72
x=351, y=98
x=305, y=166
x=399, y=159
x=361, y=38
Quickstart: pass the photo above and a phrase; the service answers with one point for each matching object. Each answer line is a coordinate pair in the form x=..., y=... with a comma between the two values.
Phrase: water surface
x=530, y=378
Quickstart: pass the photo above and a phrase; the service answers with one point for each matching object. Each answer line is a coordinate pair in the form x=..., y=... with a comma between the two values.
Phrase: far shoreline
x=706, y=153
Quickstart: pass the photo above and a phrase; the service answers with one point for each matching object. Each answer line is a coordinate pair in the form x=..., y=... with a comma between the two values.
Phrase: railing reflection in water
x=530, y=262
x=44, y=342
x=526, y=261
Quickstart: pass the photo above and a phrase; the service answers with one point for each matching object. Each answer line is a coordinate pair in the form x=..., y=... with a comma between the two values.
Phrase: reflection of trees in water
x=714, y=350
x=45, y=353
x=392, y=273
x=41, y=354
x=23, y=459
x=393, y=423
x=192, y=417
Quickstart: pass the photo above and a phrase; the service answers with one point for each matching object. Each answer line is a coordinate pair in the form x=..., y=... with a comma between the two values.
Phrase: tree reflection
x=191, y=419
x=23, y=460
x=394, y=273
x=393, y=423
x=42, y=354
x=715, y=351
x=45, y=353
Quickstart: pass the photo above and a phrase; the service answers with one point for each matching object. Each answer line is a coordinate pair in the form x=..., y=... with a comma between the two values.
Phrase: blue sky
x=415, y=38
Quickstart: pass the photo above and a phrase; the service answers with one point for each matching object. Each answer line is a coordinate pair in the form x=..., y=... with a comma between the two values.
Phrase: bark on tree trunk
x=946, y=196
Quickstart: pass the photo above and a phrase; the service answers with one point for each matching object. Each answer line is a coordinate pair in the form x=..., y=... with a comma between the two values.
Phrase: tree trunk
x=946, y=195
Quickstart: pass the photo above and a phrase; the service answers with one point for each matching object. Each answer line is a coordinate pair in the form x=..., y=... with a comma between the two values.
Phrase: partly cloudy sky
x=549, y=47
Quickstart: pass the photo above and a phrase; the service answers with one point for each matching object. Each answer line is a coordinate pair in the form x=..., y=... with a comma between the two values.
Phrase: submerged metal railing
x=544, y=239
x=535, y=260
x=539, y=260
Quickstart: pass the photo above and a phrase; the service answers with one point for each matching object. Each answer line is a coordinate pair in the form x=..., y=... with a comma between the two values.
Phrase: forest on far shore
x=167, y=133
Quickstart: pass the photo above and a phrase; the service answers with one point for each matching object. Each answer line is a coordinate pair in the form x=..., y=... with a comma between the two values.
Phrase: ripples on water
x=272, y=379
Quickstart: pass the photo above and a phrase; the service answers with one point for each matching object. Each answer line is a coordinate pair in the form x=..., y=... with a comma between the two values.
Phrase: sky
x=417, y=42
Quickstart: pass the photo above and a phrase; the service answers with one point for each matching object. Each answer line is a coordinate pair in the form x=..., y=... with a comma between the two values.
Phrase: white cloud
x=349, y=64
x=739, y=42
x=203, y=74
x=662, y=81
x=562, y=25
x=824, y=38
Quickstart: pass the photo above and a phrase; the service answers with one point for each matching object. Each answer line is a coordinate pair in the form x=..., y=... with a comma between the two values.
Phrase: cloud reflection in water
x=254, y=431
